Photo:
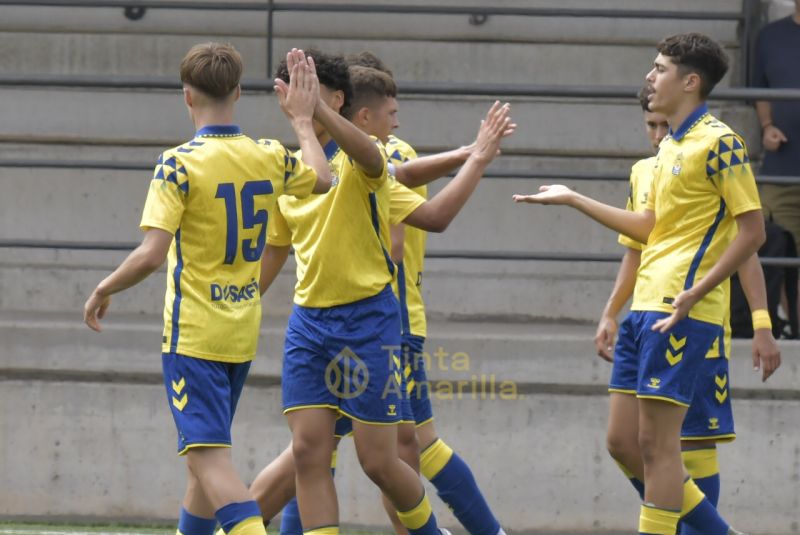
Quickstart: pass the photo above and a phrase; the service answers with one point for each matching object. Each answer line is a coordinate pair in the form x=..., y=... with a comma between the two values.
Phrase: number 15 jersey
x=215, y=194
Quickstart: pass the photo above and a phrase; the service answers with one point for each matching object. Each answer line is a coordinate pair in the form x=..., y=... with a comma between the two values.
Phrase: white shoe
x=732, y=531
x=444, y=531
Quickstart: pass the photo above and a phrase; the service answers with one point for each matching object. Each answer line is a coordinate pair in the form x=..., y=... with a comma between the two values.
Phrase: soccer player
x=710, y=417
x=206, y=211
x=448, y=472
x=334, y=270
x=703, y=191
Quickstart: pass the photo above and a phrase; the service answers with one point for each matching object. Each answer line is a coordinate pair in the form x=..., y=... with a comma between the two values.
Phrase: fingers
x=666, y=324
x=523, y=198
x=90, y=319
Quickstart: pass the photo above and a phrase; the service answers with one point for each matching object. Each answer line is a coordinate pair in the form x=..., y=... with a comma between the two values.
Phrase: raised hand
x=555, y=194
x=299, y=97
x=494, y=128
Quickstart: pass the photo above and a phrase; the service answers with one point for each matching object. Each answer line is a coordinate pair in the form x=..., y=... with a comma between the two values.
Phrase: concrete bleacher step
x=467, y=61
x=78, y=400
x=551, y=127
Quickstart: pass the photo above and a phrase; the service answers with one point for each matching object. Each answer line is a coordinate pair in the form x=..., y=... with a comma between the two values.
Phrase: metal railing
x=136, y=9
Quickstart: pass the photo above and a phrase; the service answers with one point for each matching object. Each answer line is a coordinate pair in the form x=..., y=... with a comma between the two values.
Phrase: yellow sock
x=249, y=526
x=692, y=496
x=655, y=521
x=434, y=458
x=418, y=516
x=701, y=463
x=329, y=530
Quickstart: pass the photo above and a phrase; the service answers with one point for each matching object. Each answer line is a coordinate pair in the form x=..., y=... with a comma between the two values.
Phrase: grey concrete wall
x=87, y=411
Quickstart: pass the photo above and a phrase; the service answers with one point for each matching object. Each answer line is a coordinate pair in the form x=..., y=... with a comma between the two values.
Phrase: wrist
x=766, y=125
x=761, y=319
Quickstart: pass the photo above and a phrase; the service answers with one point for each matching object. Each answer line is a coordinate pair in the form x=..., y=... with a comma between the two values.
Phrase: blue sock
x=456, y=486
x=188, y=524
x=290, y=519
x=710, y=487
x=234, y=513
x=699, y=514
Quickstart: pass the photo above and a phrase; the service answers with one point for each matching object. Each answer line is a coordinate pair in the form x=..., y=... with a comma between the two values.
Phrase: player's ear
x=237, y=93
x=337, y=99
x=187, y=96
x=692, y=82
x=363, y=116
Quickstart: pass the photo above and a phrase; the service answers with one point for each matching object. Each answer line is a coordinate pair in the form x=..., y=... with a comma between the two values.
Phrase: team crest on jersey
x=676, y=165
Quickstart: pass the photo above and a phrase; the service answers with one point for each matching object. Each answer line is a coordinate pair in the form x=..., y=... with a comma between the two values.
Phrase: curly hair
x=332, y=71
x=642, y=96
x=699, y=54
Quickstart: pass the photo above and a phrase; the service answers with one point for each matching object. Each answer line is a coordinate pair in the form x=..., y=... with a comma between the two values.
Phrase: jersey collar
x=330, y=149
x=689, y=122
x=219, y=130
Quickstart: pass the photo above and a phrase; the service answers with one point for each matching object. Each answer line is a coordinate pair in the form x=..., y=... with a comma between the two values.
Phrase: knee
x=408, y=445
x=376, y=467
x=621, y=447
x=309, y=453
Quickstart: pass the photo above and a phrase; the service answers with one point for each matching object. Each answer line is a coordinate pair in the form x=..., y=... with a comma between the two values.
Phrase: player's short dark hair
x=697, y=53
x=212, y=68
x=332, y=72
x=368, y=59
x=643, y=93
x=369, y=86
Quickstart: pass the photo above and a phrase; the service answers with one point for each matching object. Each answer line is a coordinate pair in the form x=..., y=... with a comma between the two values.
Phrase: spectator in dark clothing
x=777, y=65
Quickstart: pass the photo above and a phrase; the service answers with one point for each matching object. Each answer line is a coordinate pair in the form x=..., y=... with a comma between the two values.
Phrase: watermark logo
x=347, y=376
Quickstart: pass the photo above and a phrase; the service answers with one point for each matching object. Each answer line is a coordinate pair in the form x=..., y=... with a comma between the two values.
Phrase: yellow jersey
x=215, y=194
x=639, y=188
x=341, y=238
x=412, y=306
x=702, y=180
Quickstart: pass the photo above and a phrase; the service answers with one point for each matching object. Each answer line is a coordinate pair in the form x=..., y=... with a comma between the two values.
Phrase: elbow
x=439, y=225
x=324, y=181
x=759, y=238
x=153, y=260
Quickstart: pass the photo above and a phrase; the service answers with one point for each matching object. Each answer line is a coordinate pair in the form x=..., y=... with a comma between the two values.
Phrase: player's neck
x=212, y=117
x=682, y=112
x=796, y=16
x=324, y=138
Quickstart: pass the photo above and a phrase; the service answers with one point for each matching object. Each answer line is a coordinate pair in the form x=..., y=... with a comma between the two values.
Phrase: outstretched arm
x=142, y=261
x=436, y=214
x=635, y=225
x=766, y=355
x=421, y=171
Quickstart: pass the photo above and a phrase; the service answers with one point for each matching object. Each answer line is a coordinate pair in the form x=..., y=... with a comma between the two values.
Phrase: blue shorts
x=417, y=386
x=346, y=358
x=202, y=395
x=660, y=366
x=710, y=416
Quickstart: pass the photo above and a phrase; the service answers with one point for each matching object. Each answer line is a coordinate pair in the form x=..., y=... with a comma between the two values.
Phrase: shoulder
x=399, y=150
x=271, y=146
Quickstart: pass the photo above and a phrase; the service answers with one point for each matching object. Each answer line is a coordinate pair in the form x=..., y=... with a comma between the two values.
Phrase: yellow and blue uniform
x=215, y=194
x=701, y=181
x=408, y=289
x=710, y=415
x=343, y=337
